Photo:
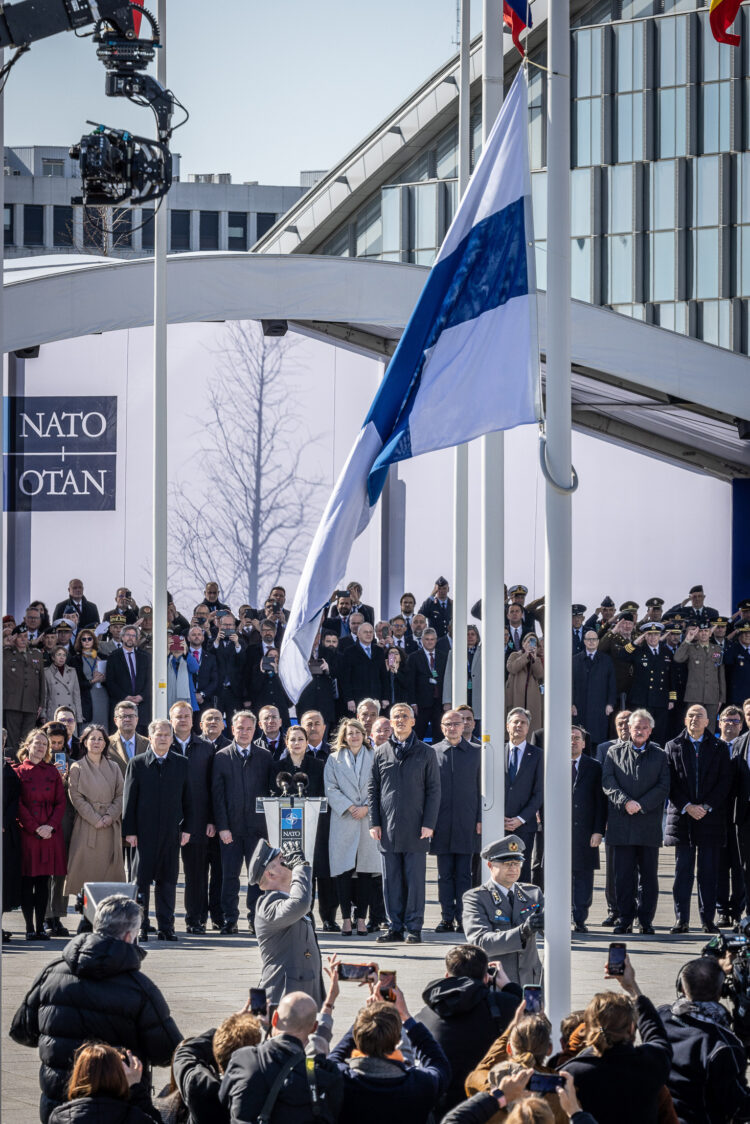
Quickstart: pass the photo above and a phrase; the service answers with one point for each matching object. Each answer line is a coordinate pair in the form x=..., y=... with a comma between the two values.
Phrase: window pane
x=672, y=122
x=672, y=51
x=662, y=266
x=620, y=268
x=715, y=323
x=629, y=125
x=147, y=231
x=662, y=195
x=425, y=216
x=419, y=169
x=540, y=258
x=265, y=220
x=716, y=62
x=536, y=119
x=391, y=212
x=338, y=244
x=33, y=225
x=447, y=155
x=580, y=268
x=369, y=230
x=539, y=203
x=180, y=223
x=209, y=230
x=62, y=226
x=715, y=117
x=705, y=263
x=620, y=207
x=582, y=41
x=237, y=230
x=706, y=191
x=580, y=202
x=743, y=261
x=633, y=9
x=629, y=57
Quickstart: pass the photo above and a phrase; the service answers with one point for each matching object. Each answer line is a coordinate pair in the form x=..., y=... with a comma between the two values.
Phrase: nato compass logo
x=291, y=824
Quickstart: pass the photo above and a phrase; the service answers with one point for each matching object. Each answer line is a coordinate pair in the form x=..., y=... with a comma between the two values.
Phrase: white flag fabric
x=467, y=364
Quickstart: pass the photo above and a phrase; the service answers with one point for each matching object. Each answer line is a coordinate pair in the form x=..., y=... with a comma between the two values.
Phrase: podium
x=292, y=819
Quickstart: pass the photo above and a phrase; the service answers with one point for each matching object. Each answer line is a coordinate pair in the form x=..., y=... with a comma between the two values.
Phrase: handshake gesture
x=292, y=855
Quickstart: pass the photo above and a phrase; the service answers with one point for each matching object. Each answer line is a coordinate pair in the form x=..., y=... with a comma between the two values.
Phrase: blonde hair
x=610, y=1020
x=23, y=752
x=530, y=1040
x=532, y=1110
x=341, y=742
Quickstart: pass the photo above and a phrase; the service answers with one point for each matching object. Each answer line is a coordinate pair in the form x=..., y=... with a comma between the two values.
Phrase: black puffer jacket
x=94, y=991
x=104, y=1110
x=465, y=1017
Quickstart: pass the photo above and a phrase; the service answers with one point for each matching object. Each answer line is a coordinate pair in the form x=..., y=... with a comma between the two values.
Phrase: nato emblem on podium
x=292, y=817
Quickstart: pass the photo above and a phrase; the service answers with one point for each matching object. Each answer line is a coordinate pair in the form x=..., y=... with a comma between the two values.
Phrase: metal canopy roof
x=673, y=397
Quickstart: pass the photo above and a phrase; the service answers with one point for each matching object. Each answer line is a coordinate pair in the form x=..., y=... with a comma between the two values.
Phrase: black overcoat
x=711, y=785
x=594, y=689
x=404, y=795
x=589, y=813
x=157, y=809
x=460, y=769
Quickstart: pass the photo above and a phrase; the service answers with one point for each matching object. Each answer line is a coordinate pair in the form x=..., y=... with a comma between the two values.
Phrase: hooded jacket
x=105, y=1110
x=95, y=990
x=465, y=1016
x=707, y=1078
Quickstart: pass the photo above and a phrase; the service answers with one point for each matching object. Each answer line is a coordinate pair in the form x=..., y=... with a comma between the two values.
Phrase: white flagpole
x=493, y=510
x=461, y=454
x=159, y=562
x=558, y=584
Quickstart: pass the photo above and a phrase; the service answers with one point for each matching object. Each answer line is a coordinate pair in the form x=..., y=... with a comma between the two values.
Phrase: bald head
x=296, y=1014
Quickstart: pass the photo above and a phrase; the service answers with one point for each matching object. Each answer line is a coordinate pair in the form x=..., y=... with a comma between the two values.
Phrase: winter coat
x=198, y=1079
x=522, y=686
x=707, y=1079
x=95, y=854
x=101, y=1110
x=465, y=1016
x=350, y=845
x=94, y=991
x=404, y=795
x=236, y=783
x=251, y=1073
x=642, y=775
x=711, y=786
x=62, y=689
x=594, y=690
x=156, y=809
x=460, y=769
x=42, y=801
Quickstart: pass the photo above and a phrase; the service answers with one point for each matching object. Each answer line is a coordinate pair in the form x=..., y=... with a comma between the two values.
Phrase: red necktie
x=432, y=661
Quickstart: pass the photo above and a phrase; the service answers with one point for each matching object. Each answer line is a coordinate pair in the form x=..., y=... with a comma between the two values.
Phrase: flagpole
x=160, y=431
x=461, y=454
x=558, y=534
x=493, y=509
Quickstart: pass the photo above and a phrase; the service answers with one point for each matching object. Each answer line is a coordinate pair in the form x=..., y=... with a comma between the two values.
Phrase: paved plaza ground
x=206, y=978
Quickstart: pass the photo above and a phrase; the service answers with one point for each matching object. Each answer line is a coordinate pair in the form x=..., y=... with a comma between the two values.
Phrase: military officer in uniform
x=737, y=663
x=651, y=685
x=503, y=916
x=654, y=611
x=290, y=957
x=24, y=691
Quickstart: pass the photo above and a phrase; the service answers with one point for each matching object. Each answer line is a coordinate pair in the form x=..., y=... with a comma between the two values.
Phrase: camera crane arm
x=26, y=22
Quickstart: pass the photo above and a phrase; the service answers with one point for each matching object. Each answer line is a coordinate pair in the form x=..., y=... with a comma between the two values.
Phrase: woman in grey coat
x=353, y=854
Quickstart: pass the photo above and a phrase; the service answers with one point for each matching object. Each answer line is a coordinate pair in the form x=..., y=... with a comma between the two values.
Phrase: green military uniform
x=23, y=692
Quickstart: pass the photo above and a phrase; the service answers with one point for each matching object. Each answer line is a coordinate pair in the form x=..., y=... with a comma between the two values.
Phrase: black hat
x=20, y=628
x=263, y=854
x=441, y=580
x=511, y=847
x=744, y=603
x=607, y=603
x=744, y=627
x=652, y=626
x=718, y=621
x=676, y=624
x=697, y=589
x=579, y=610
x=654, y=602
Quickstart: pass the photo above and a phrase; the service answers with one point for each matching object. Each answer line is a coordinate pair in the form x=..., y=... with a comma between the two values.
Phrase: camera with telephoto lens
x=737, y=980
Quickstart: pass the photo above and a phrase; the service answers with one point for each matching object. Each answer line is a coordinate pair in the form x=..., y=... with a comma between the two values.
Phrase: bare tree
x=106, y=230
x=253, y=515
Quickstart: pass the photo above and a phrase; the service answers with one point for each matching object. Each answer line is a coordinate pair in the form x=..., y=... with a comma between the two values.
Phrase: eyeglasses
x=731, y=721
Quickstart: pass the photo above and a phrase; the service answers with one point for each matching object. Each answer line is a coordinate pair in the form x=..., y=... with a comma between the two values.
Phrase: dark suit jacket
x=404, y=796
x=235, y=784
x=89, y=613
x=267, y=690
x=589, y=813
x=157, y=808
x=200, y=758
x=422, y=691
x=460, y=798
x=437, y=617
x=741, y=787
x=118, y=680
x=710, y=784
x=524, y=797
x=231, y=667
x=363, y=678
x=594, y=688
x=206, y=680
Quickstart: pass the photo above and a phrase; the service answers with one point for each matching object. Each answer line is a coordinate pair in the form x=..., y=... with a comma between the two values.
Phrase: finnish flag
x=467, y=364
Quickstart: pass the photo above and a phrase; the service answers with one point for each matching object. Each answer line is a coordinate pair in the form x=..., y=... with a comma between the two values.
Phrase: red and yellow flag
x=721, y=16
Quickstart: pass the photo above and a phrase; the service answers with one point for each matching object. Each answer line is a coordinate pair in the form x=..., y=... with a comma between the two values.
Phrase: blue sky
x=271, y=88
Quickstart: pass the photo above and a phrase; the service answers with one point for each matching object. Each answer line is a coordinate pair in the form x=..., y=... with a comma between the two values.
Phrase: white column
x=461, y=454
x=223, y=230
x=137, y=215
x=195, y=230
x=558, y=586
x=493, y=510
x=48, y=225
x=159, y=559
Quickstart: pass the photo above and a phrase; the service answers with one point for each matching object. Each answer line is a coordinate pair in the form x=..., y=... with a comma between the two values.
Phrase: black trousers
x=730, y=899
x=212, y=902
x=233, y=856
x=454, y=879
x=684, y=876
x=165, y=894
x=195, y=865
x=354, y=892
x=34, y=895
x=328, y=896
x=429, y=716
x=634, y=866
x=609, y=880
x=404, y=889
x=378, y=915
x=583, y=895
x=537, y=860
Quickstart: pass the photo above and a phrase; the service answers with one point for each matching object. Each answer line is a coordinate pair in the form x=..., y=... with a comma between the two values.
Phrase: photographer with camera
x=707, y=1077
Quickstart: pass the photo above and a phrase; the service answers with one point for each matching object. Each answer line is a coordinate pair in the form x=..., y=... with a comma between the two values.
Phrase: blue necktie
x=513, y=764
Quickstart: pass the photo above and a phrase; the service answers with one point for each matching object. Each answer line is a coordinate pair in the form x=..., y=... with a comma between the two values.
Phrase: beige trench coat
x=95, y=854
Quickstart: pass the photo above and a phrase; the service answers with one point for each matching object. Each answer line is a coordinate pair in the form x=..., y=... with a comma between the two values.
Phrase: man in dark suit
x=156, y=822
x=362, y=669
x=737, y=663
x=701, y=777
x=270, y=735
x=213, y=729
x=579, y=611
x=426, y=672
x=206, y=678
x=128, y=676
x=358, y=606
x=741, y=800
x=730, y=891
x=200, y=756
x=403, y=802
x=589, y=820
x=266, y=688
x=459, y=823
x=313, y=723
x=438, y=607
x=88, y=614
x=230, y=660
x=401, y=636
x=610, y=896
x=594, y=688
x=524, y=784
x=242, y=771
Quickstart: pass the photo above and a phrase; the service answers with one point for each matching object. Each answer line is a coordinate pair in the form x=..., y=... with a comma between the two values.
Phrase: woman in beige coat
x=95, y=790
x=525, y=676
x=62, y=686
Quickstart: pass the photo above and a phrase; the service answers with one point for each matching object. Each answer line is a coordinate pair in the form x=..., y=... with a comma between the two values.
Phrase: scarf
x=706, y=1011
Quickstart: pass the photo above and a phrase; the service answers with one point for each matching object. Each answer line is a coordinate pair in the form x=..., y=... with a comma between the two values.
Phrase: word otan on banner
x=61, y=454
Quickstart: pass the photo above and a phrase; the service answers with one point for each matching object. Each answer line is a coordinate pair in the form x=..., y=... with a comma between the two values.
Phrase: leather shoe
x=198, y=930
x=444, y=927
x=621, y=929
x=166, y=935
x=710, y=927
x=228, y=929
x=391, y=937
x=57, y=929
x=40, y=935
x=413, y=938
x=7, y=936
x=680, y=927
x=331, y=927
x=143, y=936
x=30, y=935
x=579, y=927
x=646, y=930
x=609, y=921
x=725, y=921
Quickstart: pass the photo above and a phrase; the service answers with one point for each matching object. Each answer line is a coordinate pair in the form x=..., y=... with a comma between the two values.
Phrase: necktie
x=511, y=900
x=432, y=661
x=131, y=664
x=130, y=748
x=513, y=764
x=516, y=642
x=197, y=654
x=575, y=772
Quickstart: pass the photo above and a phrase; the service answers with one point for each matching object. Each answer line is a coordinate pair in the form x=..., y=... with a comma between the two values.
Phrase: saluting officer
x=737, y=663
x=24, y=691
x=654, y=611
x=290, y=957
x=504, y=915
x=651, y=686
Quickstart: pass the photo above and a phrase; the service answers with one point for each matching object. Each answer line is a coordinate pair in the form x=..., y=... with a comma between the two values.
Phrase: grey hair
x=116, y=916
x=518, y=710
x=641, y=713
x=244, y=714
x=410, y=709
x=365, y=702
x=429, y=632
x=154, y=725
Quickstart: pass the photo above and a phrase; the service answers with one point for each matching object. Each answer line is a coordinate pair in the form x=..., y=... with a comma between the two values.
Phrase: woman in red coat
x=41, y=807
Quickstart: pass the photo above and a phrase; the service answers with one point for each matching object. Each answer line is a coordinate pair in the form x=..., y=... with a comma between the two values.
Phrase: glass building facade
x=660, y=188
